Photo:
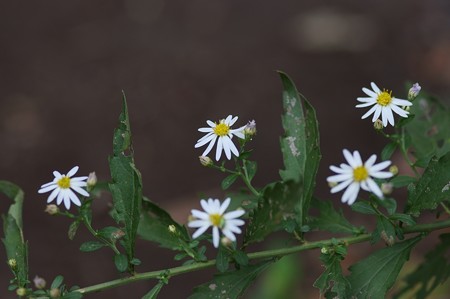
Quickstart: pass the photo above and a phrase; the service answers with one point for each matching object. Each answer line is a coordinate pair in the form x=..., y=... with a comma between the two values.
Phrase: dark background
x=63, y=65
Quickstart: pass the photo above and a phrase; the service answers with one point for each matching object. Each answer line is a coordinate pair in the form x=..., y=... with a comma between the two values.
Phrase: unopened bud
x=226, y=242
x=39, y=282
x=324, y=250
x=172, y=229
x=118, y=234
x=92, y=180
x=332, y=184
x=250, y=128
x=414, y=91
x=205, y=161
x=12, y=263
x=378, y=124
x=21, y=292
x=387, y=188
x=55, y=293
x=393, y=169
x=52, y=209
x=191, y=218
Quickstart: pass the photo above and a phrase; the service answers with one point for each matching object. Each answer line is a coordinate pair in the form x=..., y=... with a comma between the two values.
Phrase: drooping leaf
x=331, y=220
x=431, y=189
x=332, y=282
x=15, y=245
x=154, y=226
x=231, y=284
x=435, y=270
x=229, y=180
x=299, y=145
x=126, y=185
x=277, y=205
x=251, y=167
x=121, y=262
x=375, y=275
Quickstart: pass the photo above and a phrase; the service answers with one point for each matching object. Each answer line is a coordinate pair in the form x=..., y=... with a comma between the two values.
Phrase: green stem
x=274, y=253
x=95, y=234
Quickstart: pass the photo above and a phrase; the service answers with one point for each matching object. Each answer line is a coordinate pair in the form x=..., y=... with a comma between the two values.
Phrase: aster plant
x=223, y=233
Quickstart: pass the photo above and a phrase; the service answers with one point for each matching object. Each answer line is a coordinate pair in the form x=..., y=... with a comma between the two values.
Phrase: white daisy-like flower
x=223, y=133
x=216, y=217
x=63, y=187
x=356, y=175
x=383, y=104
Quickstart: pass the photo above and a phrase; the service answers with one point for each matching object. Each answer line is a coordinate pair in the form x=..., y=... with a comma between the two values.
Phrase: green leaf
x=402, y=180
x=331, y=220
x=110, y=233
x=299, y=145
x=15, y=245
x=363, y=207
x=251, y=167
x=72, y=295
x=388, y=150
x=240, y=257
x=375, y=275
x=91, y=246
x=331, y=282
x=432, y=188
x=230, y=284
x=121, y=262
x=229, y=180
x=154, y=226
x=407, y=219
x=73, y=229
x=384, y=230
x=435, y=270
x=430, y=129
x=277, y=205
x=153, y=294
x=126, y=185
x=57, y=282
x=222, y=259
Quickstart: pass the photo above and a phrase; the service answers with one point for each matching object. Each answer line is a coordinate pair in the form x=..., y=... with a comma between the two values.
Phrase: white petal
x=48, y=184
x=200, y=231
x=233, y=148
x=210, y=146
x=357, y=158
x=375, y=88
x=389, y=115
x=379, y=166
x=233, y=121
x=206, y=130
x=371, y=110
x=228, y=120
x=377, y=113
x=74, y=198
x=224, y=205
x=364, y=105
x=384, y=116
x=226, y=146
x=235, y=223
x=374, y=188
x=337, y=169
x=200, y=214
x=369, y=92
x=382, y=175
x=219, y=149
x=348, y=156
x=77, y=184
x=341, y=186
x=72, y=171
x=199, y=223
x=370, y=161
x=339, y=177
x=80, y=190
x=48, y=188
x=206, y=206
x=229, y=234
x=78, y=178
x=399, y=111
x=351, y=193
x=205, y=139
x=400, y=102
x=233, y=214
x=366, y=100
x=57, y=174
x=216, y=236
x=53, y=195
x=60, y=197
x=66, y=199
x=211, y=124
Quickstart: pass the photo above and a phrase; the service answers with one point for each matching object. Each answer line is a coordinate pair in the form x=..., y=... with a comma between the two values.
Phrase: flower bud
x=387, y=188
x=226, y=242
x=414, y=91
x=118, y=234
x=39, y=282
x=172, y=229
x=324, y=250
x=21, y=292
x=91, y=181
x=55, y=293
x=332, y=184
x=52, y=209
x=12, y=263
x=393, y=169
x=250, y=128
x=378, y=124
x=205, y=161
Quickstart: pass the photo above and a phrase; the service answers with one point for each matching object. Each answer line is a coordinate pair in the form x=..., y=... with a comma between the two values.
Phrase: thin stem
x=95, y=234
x=274, y=253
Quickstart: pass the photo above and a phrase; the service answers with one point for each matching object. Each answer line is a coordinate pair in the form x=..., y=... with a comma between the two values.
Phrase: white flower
x=62, y=186
x=214, y=216
x=383, y=104
x=223, y=132
x=356, y=175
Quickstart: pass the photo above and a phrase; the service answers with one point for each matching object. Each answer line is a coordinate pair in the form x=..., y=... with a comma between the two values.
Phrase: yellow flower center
x=216, y=220
x=384, y=98
x=360, y=173
x=64, y=182
x=221, y=129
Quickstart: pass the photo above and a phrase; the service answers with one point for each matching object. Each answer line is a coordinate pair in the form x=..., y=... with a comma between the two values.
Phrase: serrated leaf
x=15, y=245
x=278, y=203
x=331, y=282
x=126, y=185
x=91, y=246
x=431, y=189
x=299, y=145
x=230, y=284
x=435, y=270
x=228, y=181
x=375, y=275
x=402, y=180
x=153, y=294
x=331, y=220
x=154, y=226
x=121, y=262
x=388, y=150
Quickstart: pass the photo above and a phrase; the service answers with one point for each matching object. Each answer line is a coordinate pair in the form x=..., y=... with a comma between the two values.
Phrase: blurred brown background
x=63, y=65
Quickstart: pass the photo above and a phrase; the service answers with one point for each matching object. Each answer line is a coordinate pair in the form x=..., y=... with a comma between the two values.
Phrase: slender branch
x=419, y=228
